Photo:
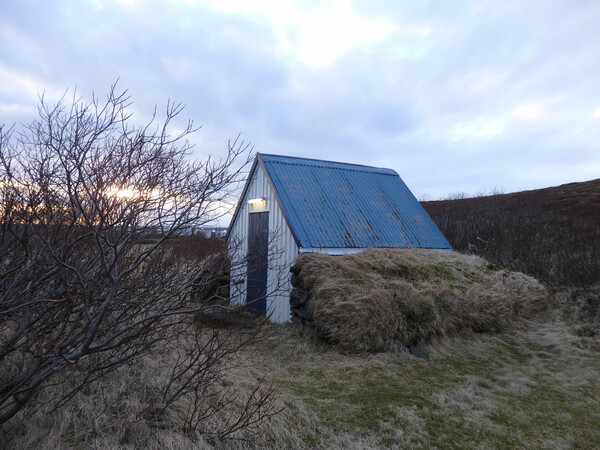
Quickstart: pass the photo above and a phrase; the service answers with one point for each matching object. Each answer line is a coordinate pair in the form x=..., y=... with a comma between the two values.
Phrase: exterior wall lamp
x=258, y=204
x=257, y=201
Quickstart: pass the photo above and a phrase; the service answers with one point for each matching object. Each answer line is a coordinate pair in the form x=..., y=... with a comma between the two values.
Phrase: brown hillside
x=552, y=234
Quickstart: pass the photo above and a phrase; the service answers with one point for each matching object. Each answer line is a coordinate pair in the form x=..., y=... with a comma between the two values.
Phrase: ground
x=534, y=387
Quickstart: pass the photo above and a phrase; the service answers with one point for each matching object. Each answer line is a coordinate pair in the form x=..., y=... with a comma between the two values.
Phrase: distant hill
x=552, y=234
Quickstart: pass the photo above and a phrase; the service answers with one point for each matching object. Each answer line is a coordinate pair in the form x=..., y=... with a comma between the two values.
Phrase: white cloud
x=317, y=36
x=491, y=129
x=324, y=37
x=28, y=87
x=16, y=111
x=476, y=128
x=528, y=111
x=484, y=80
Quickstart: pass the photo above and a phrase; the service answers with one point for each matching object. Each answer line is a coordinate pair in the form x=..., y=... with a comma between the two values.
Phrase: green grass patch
x=487, y=392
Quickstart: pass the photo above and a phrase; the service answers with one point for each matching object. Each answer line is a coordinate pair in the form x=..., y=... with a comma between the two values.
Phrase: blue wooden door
x=258, y=236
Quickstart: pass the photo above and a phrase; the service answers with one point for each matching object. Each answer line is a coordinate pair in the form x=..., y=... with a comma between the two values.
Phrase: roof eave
x=242, y=196
x=276, y=194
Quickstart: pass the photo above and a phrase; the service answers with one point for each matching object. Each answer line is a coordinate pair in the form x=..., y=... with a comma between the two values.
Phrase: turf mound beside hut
x=386, y=299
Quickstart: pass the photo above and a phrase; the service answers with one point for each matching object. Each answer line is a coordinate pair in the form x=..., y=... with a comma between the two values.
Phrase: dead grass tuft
x=125, y=409
x=381, y=300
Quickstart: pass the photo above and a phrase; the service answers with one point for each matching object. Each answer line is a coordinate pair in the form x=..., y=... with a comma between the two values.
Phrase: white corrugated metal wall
x=282, y=251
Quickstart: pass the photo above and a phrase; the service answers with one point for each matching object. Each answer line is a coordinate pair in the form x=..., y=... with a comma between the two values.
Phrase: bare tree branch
x=91, y=278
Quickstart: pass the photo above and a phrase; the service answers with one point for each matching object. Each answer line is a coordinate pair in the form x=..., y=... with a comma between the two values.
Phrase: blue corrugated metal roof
x=336, y=205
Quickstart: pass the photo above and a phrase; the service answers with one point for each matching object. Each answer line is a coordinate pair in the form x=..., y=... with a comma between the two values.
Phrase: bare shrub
x=197, y=246
x=385, y=299
x=127, y=408
x=552, y=234
x=92, y=273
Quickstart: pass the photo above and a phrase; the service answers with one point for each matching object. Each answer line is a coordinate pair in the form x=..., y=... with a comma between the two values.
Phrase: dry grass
x=532, y=387
x=387, y=299
x=581, y=309
x=124, y=409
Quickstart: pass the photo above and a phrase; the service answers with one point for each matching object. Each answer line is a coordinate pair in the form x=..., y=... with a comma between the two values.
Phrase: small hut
x=291, y=205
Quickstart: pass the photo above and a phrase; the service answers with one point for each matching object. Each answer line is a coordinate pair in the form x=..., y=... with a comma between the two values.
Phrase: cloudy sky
x=456, y=96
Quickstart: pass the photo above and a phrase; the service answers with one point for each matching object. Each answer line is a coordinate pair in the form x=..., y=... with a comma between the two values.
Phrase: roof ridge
x=278, y=159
